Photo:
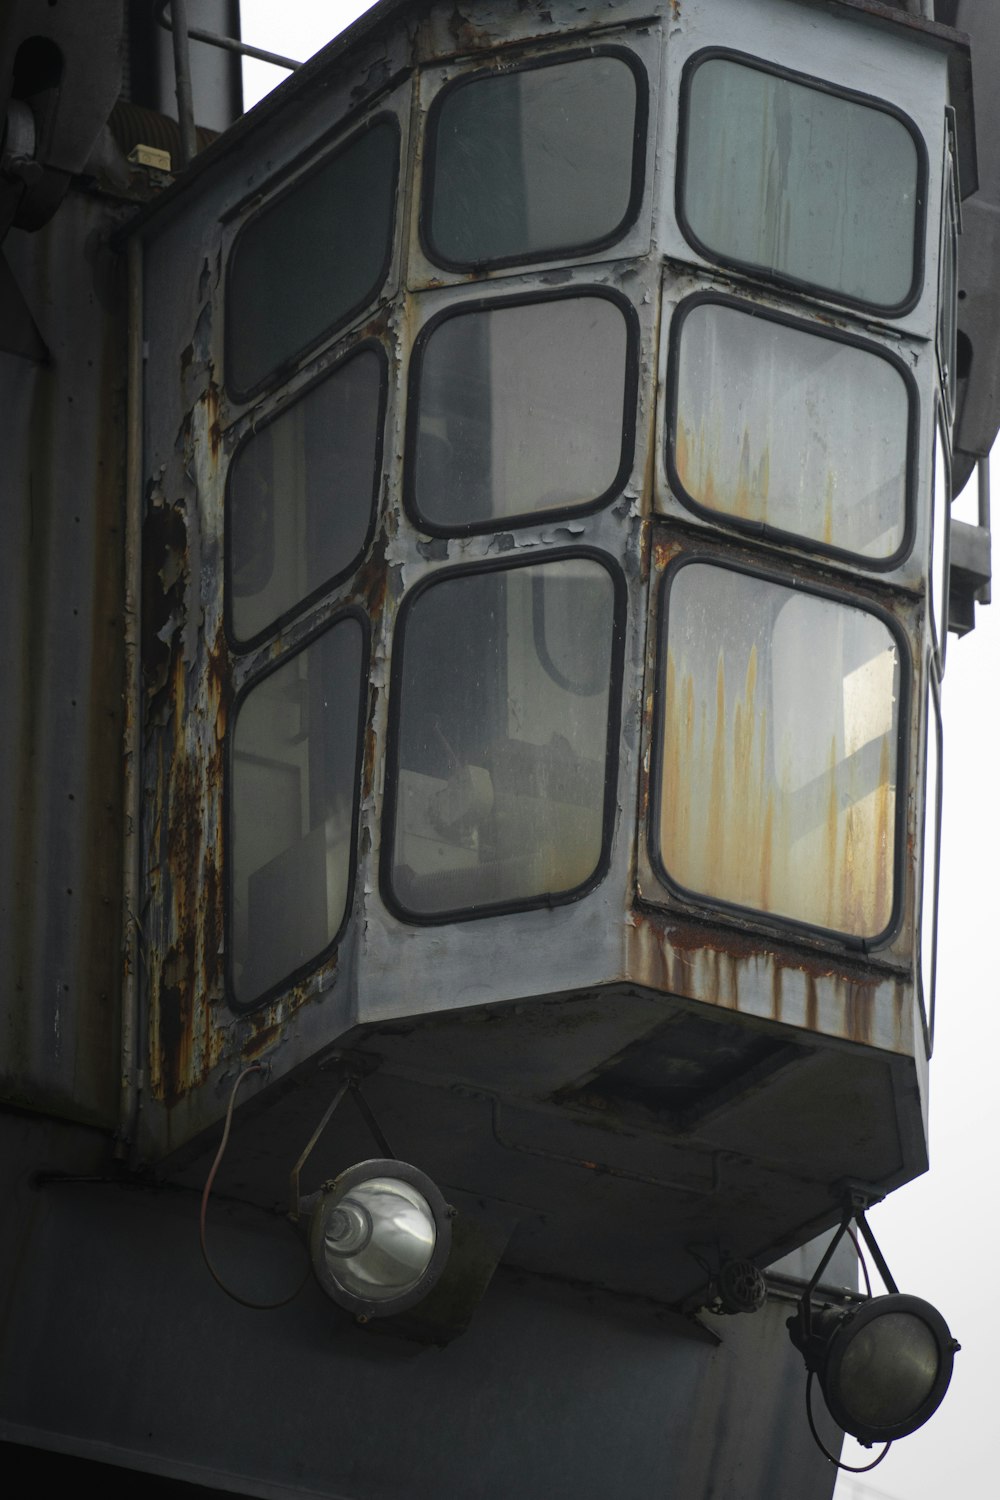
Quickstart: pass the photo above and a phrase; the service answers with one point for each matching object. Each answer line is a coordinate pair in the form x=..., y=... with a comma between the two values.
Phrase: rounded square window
x=535, y=162
x=301, y=494
x=789, y=177
x=293, y=791
x=521, y=409
x=787, y=430
x=311, y=258
x=503, y=749
x=778, y=751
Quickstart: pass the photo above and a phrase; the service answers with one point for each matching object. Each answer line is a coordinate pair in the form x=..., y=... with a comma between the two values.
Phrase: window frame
x=935, y=727
x=940, y=435
x=241, y=644
x=704, y=903
x=390, y=796
x=640, y=143
x=629, y=410
x=317, y=163
x=763, y=530
x=302, y=972
x=764, y=273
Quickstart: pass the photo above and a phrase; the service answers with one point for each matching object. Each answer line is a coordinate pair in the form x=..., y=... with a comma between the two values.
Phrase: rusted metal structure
x=494, y=661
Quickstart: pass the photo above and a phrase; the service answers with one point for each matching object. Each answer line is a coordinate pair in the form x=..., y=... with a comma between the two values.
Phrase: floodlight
x=883, y=1365
x=379, y=1237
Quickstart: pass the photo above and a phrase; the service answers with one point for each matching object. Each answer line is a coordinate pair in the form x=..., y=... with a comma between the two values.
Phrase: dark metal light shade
x=379, y=1238
x=884, y=1366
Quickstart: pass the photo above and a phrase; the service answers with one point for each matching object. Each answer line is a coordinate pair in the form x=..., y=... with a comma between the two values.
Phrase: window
x=779, y=750
x=784, y=176
x=785, y=429
x=521, y=409
x=311, y=258
x=292, y=808
x=539, y=161
x=300, y=495
x=501, y=763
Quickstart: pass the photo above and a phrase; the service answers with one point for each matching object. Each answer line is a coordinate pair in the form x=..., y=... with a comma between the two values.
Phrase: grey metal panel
x=552, y=1394
x=61, y=620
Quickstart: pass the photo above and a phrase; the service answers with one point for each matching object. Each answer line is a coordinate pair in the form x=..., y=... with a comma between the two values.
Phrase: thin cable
x=243, y=1301
x=848, y=1468
x=863, y=1262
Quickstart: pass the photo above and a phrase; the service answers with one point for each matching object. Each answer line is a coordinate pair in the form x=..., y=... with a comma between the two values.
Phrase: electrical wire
x=848, y=1468
x=861, y=1259
x=243, y=1301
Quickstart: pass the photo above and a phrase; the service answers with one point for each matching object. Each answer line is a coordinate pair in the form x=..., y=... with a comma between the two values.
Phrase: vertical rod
x=985, y=594
x=130, y=1066
x=182, y=71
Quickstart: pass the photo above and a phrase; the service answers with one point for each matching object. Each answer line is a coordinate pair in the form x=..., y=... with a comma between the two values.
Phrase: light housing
x=883, y=1365
x=379, y=1237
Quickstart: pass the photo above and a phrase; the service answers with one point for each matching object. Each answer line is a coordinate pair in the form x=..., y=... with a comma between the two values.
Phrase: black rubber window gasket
x=532, y=517
x=389, y=807
x=762, y=529
x=250, y=643
x=805, y=80
x=554, y=252
x=297, y=975
x=284, y=367
x=760, y=918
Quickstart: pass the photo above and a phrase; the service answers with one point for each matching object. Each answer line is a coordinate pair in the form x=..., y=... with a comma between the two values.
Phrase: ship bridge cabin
x=548, y=431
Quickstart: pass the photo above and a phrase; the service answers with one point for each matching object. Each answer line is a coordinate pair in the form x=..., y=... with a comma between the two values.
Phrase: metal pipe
x=227, y=43
x=131, y=731
x=985, y=593
x=182, y=71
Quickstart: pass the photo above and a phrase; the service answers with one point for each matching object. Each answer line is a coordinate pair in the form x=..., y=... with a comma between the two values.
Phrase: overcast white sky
x=938, y=1233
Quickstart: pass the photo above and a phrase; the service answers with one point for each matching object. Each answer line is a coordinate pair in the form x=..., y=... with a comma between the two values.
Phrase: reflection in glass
x=293, y=788
x=801, y=182
x=502, y=742
x=790, y=429
x=311, y=258
x=528, y=162
x=521, y=410
x=779, y=750
x=300, y=495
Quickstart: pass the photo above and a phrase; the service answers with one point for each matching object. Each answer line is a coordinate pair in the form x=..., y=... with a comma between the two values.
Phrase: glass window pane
x=520, y=410
x=778, y=763
x=800, y=182
x=501, y=770
x=293, y=792
x=301, y=495
x=786, y=428
x=530, y=162
x=311, y=258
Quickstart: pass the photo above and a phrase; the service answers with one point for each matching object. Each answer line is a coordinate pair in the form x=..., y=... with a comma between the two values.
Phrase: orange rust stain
x=828, y=508
x=858, y=1012
x=733, y=826
x=717, y=807
x=261, y=1039
x=664, y=552
x=723, y=480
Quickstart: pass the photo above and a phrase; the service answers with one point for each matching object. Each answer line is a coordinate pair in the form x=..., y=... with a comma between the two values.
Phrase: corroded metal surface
x=632, y=935
x=61, y=816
